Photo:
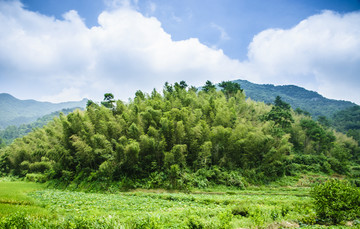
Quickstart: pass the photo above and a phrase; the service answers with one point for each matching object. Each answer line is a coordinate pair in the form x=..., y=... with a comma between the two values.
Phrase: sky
x=66, y=50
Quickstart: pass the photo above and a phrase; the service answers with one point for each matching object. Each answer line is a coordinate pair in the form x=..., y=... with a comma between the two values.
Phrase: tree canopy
x=171, y=139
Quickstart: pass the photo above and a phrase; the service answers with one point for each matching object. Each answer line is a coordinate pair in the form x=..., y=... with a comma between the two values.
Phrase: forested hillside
x=180, y=138
x=348, y=121
x=16, y=112
x=297, y=97
x=12, y=132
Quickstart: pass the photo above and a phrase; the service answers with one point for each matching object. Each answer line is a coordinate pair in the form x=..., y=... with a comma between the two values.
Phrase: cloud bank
x=321, y=53
x=59, y=60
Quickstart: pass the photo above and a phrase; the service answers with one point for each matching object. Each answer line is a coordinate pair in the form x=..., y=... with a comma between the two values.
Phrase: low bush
x=240, y=210
x=17, y=220
x=336, y=201
x=36, y=177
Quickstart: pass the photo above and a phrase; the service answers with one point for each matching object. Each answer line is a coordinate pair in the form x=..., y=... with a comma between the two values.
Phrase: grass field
x=35, y=206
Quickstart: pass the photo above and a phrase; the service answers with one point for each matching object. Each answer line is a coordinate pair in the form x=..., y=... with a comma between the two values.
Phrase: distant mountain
x=297, y=97
x=14, y=111
x=10, y=133
x=348, y=121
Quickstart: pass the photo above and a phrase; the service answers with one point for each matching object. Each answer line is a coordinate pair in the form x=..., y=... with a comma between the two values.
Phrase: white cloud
x=45, y=58
x=321, y=53
x=126, y=52
x=113, y=4
x=66, y=94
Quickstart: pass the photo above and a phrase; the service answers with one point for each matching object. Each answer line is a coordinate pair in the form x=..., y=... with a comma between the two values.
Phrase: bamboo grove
x=180, y=137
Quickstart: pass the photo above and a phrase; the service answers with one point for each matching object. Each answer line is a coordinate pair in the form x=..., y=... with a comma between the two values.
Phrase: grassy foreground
x=32, y=205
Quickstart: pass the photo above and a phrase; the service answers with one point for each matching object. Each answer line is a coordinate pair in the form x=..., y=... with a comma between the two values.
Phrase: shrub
x=40, y=166
x=148, y=222
x=195, y=222
x=336, y=201
x=17, y=220
x=240, y=210
x=36, y=177
x=225, y=219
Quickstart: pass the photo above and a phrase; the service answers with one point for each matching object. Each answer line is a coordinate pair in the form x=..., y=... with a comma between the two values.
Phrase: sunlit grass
x=255, y=207
x=174, y=209
x=14, y=198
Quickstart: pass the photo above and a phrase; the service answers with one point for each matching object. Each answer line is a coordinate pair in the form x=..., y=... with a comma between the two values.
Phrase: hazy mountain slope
x=298, y=97
x=348, y=121
x=12, y=132
x=16, y=112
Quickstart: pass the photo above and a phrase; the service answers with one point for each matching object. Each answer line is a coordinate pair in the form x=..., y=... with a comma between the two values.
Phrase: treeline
x=348, y=121
x=182, y=137
x=297, y=97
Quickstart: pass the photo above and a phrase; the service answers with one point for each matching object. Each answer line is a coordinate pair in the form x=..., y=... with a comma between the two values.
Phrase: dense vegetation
x=348, y=121
x=31, y=205
x=297, y=97
x=336, y=201
x=182, y=138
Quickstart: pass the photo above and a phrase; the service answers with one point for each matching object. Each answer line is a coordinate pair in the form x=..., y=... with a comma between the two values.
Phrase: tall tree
x=230, y=88
x=108, y=100
x=281, y=114
x=280, y=103
x=209, y=86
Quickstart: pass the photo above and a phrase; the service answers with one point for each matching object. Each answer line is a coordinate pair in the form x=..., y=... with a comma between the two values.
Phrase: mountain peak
x=6, y=96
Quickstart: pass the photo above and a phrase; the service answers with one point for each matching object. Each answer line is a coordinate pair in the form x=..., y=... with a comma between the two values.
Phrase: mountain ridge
x=298, y=97
x=14, y=111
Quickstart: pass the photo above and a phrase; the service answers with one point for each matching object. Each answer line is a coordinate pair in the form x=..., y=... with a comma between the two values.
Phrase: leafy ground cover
x=37, y=207
x=31, y=205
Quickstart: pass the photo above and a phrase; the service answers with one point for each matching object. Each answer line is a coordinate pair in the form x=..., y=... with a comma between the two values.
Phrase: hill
x=179, y=139
x=297, y=97
x=14, y=111
x=10, y=133
x=348, y=121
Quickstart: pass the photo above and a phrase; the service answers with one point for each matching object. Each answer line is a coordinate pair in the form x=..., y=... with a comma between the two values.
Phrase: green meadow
x=32, y=205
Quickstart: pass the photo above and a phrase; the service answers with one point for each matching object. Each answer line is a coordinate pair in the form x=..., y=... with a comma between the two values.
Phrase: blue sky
x=65, y=50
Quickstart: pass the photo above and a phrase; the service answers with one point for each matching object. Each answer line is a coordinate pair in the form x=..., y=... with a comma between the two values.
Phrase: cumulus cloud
x=126, y=52
x=45, y=58
x=321, y=53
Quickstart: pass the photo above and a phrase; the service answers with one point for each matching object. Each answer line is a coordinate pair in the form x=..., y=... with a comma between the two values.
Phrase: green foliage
x=299, y=111
x=230, y=88
x=2, y=143
x=108, y=100
x=10, y=133
x=324, y=121
x=336, y=201
x=281, y=104
x=195, y=222
x=27, y=203
x=209, y=86
x=348, y=121
x=280, y=114
x=225, y=219
x=40, y=178
x=178, y=140
x=322, y=139
x=17, y=220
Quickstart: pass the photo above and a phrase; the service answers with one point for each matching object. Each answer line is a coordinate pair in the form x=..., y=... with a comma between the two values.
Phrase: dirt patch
x=284, y=224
